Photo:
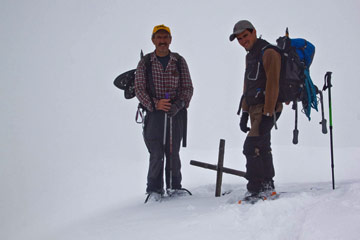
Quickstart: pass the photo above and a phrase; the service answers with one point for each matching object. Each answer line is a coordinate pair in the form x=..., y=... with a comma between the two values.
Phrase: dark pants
x=259, y=162
x=154, y=140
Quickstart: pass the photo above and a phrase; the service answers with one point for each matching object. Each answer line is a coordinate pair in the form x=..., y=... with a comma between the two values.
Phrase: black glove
x=243, y=122
x=176, y=107
x=267, y=123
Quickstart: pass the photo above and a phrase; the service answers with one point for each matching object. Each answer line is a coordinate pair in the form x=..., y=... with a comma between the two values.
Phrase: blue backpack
x=295, y=82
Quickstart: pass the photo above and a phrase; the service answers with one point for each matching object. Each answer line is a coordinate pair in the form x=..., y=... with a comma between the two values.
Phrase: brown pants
x=255, y=113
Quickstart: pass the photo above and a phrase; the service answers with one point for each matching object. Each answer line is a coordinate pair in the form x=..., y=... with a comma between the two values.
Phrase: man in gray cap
x=259, y=101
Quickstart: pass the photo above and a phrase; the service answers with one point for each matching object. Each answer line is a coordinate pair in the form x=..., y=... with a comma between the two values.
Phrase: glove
x=267, y=123
x=176, y=107
x=243, y=122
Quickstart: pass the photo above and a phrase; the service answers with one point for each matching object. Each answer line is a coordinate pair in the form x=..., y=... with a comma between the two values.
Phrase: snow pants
x=257, y=150
x=154, y=140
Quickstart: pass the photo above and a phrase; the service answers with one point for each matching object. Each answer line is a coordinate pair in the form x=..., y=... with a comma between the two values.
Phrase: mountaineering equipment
x=323, y=120
x=164, y=142
x=254, y=198
x=219, y=168
x=170, y=152
x=159, y=197
x=170, y=191
x=327, y=85
x=296, y=131
x=154, y=196
x=125, y=81
x=295, y=83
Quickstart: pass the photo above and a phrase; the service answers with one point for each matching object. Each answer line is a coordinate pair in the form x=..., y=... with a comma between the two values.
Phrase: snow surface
x=305, y=211
x=73, y=163
x=308, y=208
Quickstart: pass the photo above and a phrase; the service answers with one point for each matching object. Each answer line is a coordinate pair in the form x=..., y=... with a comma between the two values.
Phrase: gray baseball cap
x=239, y=27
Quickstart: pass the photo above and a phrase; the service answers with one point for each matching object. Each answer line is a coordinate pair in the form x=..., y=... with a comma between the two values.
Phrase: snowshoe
x=253, y=198
x=153, y=197
x=178, y=192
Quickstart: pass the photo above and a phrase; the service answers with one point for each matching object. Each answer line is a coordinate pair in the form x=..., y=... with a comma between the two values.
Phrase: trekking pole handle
x=323, y=120
x=295, y=131
x=327, y=81
x=328, y=78
x=295, y=136
x=324, y=127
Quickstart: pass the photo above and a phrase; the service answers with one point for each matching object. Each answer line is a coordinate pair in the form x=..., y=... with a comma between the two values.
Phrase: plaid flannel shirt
x=168, y=81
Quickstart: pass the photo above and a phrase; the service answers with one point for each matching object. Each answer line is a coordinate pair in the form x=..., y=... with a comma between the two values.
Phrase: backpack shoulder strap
x=148, y=73
x=178, y=62
x=270, y=46
x=150, y=87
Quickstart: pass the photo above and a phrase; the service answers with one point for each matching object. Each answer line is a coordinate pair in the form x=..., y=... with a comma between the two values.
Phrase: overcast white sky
x=59, y=58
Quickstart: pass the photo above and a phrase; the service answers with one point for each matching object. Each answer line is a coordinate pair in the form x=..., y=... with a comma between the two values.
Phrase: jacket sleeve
x=140, y=86
x=186, y=87
x=272, y=66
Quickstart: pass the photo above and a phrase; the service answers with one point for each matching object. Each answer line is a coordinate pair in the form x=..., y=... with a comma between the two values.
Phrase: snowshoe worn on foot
x=177, y=192
x=153, y=197
x=251, y=198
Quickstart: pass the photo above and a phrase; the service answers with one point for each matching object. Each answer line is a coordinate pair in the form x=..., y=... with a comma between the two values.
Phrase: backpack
x=295, y=82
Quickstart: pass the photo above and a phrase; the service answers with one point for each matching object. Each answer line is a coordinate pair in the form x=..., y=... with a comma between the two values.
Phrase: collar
x=172, y=56
x=258, y=46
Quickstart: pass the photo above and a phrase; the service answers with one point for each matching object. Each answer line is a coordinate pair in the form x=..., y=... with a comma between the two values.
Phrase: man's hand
x=176, y=107
x=243, y=122
x=164, y=105
x=267, y=123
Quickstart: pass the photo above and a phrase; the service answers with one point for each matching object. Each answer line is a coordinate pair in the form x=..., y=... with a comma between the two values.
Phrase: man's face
x=162, y=41
x=247, y=39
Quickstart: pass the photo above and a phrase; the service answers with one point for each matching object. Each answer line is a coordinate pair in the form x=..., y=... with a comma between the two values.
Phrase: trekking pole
x=170, y=153
x=327, y=85
x=164, y=139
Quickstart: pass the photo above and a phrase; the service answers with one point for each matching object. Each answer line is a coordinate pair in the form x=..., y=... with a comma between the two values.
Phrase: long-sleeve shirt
x=168, y=81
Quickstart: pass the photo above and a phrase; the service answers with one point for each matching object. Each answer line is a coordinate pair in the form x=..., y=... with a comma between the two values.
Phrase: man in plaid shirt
x=168, y=98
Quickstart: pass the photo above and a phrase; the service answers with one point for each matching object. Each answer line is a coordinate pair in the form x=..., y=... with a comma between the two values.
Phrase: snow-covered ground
x=306, y=211
x=109, y=208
